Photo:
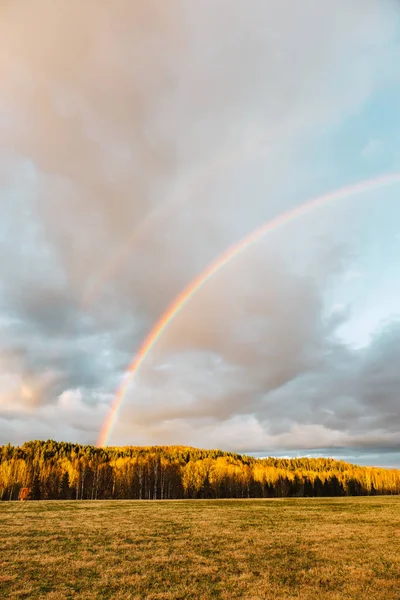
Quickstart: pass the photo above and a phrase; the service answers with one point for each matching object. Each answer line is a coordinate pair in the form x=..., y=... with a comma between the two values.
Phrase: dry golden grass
x=251, y=549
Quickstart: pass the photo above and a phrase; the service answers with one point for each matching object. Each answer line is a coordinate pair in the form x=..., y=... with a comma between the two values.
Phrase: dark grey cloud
x=379, y=456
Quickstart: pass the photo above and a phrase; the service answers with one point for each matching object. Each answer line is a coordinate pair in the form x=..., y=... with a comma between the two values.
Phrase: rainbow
x=191, y=289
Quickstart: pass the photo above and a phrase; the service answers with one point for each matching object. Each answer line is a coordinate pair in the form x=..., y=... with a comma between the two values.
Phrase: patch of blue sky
x=370, y=288
x=367, y=141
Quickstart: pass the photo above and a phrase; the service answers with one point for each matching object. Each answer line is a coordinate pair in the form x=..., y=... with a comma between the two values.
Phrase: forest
x=49, y=470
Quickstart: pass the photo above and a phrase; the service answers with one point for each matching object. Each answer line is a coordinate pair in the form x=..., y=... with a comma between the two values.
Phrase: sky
x=137, y=143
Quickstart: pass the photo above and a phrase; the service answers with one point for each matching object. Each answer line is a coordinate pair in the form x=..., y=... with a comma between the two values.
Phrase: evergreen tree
x=308, y=488
x=36, y=493
x=318, y=487
x=65, y=487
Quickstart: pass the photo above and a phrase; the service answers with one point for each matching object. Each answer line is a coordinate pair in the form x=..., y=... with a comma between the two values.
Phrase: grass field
x=252, y=549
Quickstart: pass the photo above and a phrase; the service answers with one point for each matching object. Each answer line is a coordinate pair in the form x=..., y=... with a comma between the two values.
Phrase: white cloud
x=354, y=274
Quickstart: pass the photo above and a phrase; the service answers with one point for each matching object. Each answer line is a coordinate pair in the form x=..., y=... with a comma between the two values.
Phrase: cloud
x=70, y=417
x=264, y=367
x=112, y=106
x=204, y=115
x=352, y=275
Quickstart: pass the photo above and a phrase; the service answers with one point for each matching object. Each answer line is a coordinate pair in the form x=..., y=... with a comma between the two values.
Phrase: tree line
x=49, y=470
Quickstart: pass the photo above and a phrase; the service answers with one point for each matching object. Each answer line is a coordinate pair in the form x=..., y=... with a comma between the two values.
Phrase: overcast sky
x=137, y=142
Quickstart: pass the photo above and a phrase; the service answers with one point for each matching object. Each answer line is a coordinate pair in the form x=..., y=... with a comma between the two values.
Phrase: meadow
x=253, y=549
